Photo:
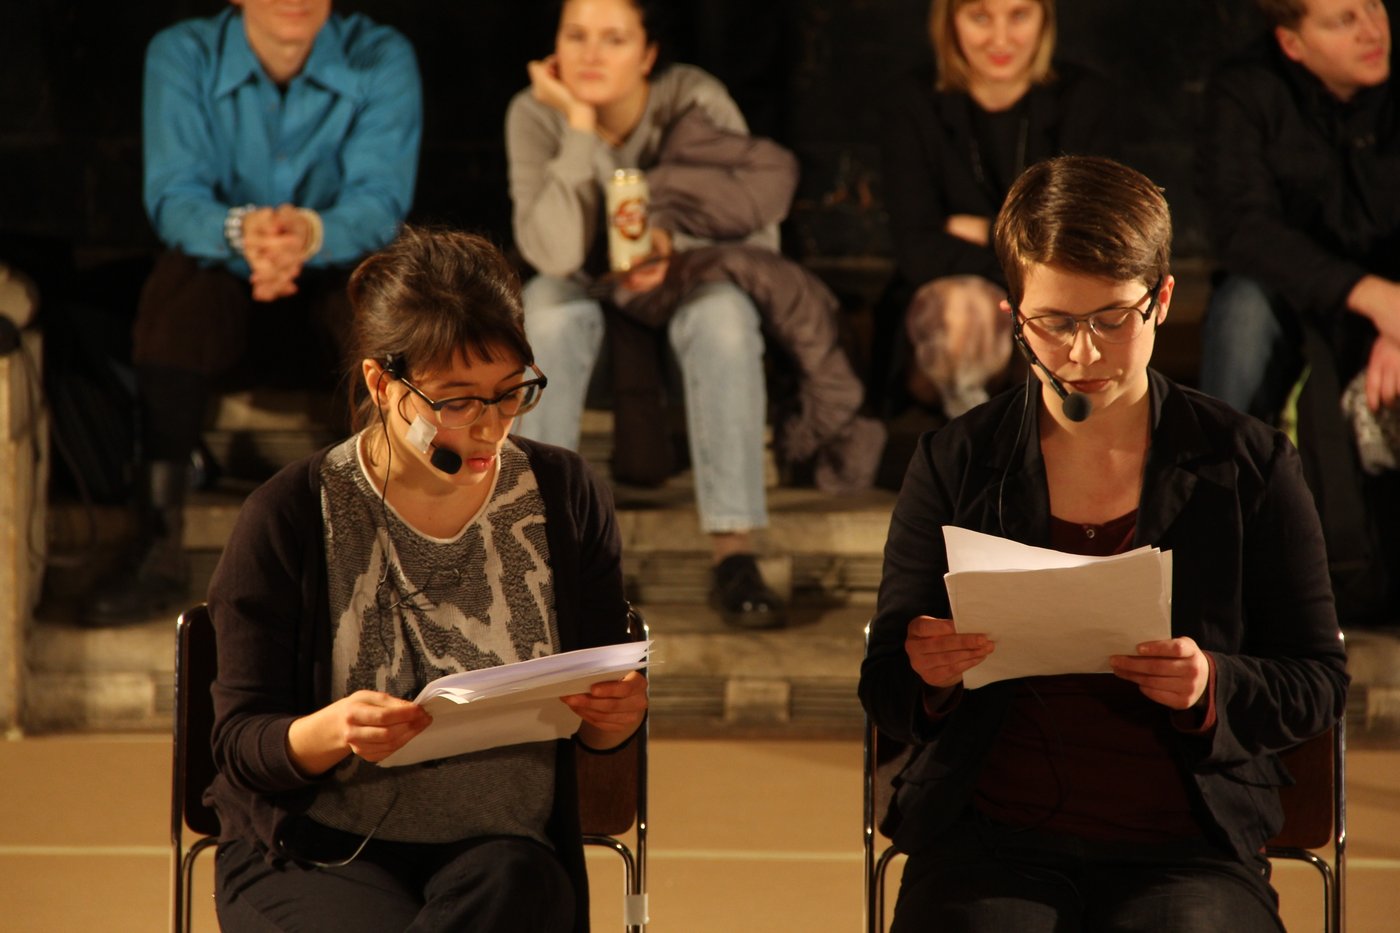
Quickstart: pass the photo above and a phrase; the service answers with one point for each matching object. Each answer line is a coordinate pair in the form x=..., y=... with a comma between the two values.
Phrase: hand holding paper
x=611, y=710
x=939, y=654
x=1051, y=612
x=1173, y=672
x=520, y=702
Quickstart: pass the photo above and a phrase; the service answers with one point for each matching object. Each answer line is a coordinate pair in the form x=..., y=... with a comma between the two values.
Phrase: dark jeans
x=496, y=885
x=1250, y=348
x=196, y=326
x=983, y=877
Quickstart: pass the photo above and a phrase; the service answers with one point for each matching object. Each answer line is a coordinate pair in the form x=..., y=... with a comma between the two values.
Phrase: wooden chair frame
x=196, y=664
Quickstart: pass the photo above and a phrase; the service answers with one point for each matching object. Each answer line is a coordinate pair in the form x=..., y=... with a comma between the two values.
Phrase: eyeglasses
x=466, y=410
x=1111, y=325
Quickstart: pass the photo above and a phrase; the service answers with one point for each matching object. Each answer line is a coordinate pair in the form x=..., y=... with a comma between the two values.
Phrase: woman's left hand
x=646, y=277
x=611, y=710
x=1173, y=672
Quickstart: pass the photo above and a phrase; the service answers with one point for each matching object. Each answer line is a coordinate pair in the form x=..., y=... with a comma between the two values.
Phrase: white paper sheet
x=1050, y=612
x=512, y=703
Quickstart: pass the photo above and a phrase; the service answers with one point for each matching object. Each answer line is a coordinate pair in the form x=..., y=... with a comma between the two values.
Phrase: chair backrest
x=196, y=664
x=612, y=787
x=1309, y=805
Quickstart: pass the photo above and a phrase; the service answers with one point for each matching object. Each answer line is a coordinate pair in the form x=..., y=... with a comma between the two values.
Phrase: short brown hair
x=953, y=72
x=1283, y=14
x=424, y=298
x=1085, y=214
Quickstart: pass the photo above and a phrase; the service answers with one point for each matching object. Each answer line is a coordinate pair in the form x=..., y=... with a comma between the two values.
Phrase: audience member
x=429, y=542
x=1300, y=175
x=956, y=137
x=1137, y=799
x=281, y=146
x=604, y=101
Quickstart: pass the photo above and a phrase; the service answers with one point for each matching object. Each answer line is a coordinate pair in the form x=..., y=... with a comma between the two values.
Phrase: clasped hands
x=276, y=241
x=1173, y=672
x=374, y=725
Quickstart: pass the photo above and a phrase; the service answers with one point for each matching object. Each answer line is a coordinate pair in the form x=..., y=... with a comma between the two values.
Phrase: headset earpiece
x=393, y=365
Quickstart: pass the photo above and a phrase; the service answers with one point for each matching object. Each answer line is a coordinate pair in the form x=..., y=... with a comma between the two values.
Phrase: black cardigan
x=929, y=172
x=270, y=610
x=1225, y=494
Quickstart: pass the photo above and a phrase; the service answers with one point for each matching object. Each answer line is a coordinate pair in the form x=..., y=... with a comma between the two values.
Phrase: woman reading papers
x=1139, y=799
x=431, y=541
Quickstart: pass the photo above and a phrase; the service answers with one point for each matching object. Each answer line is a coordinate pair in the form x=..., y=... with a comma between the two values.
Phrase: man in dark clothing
x=1300, y=173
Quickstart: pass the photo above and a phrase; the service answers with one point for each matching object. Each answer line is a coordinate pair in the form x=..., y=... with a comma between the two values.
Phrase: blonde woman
x=957, y=136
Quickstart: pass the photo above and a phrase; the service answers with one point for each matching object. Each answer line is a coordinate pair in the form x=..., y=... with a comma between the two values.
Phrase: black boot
x=154, y=579
x=737, y=590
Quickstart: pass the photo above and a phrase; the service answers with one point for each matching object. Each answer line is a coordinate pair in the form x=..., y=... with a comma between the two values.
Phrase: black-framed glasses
x=1110, y=325
x=466, y=410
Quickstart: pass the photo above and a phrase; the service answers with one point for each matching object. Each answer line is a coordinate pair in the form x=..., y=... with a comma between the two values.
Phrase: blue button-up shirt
x=341, y=138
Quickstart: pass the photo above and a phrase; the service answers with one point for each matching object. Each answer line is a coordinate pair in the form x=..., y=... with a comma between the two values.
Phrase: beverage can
x=629, y=232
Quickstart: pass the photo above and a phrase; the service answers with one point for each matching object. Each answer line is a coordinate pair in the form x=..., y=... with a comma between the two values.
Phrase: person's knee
x=559, y=314
x=519, y=879
x=1241, y=307
x=717, y=321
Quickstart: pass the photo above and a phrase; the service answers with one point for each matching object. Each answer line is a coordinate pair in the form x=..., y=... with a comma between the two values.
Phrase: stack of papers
x=512, y=703
x=1051, y=612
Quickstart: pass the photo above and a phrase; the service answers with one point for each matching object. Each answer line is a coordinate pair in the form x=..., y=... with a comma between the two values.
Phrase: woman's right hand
x=939, y=654
x=547, y=88
x=368, y=723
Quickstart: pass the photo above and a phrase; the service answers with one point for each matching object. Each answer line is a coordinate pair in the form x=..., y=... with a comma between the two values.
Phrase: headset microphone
x=446, y=460
x=1075, y=405
x=420, y=434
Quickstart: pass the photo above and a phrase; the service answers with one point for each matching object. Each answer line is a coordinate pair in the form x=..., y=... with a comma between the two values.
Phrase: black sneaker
x=737, y=590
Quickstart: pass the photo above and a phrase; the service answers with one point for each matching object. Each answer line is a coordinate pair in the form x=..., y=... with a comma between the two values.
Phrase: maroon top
x=1087, y=754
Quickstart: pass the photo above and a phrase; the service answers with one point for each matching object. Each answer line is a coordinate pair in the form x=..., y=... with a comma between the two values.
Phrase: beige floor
x=746, y=836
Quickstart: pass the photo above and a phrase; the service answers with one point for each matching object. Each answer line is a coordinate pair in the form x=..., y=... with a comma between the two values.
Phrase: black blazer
x=1226, y=495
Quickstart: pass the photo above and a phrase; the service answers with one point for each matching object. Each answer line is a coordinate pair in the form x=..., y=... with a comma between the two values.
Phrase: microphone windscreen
x=1077, y=406
x=445, y=460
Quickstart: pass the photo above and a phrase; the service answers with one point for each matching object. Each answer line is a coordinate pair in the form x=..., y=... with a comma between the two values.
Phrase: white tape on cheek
x=421, y=433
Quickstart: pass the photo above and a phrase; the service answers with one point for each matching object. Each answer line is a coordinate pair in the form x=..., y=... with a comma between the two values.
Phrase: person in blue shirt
x=281, y=147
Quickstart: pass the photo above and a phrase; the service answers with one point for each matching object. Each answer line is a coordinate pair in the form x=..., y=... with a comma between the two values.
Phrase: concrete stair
x=823, y=553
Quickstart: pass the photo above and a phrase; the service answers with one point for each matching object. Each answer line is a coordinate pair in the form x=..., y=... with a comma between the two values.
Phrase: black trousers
x=198, y=329
x=985, y=877
x=503, y=884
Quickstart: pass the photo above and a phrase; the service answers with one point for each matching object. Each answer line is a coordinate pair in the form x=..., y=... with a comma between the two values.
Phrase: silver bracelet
x=233, y=226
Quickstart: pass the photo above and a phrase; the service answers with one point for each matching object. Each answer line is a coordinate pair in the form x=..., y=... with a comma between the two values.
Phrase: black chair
x=612, y=791
x=193, y=767
x=1315, y=817
x=612, y=787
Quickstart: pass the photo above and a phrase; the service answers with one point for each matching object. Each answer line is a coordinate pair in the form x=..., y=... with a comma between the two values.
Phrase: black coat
x=1301, y=191
x=1226, y=495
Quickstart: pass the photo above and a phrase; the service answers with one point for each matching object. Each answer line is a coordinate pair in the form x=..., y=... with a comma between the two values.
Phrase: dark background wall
x=808, y=72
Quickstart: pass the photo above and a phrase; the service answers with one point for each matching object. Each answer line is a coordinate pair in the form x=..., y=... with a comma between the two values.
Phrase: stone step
x=707, y=679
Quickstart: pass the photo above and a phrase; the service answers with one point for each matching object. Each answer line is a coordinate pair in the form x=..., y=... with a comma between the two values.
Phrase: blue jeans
x=717, y=342
x=1248, y=358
